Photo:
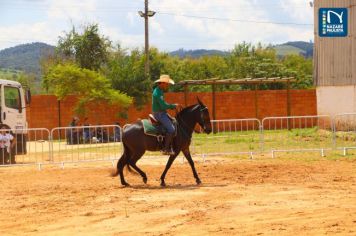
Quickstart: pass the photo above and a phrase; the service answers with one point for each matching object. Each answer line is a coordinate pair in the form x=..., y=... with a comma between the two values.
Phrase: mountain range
x=26, y=57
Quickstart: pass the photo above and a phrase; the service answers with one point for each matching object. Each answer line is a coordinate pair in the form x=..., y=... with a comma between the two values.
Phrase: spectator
x=7, y=144
x=117, y=132
x=86, y=131
x=72, y=133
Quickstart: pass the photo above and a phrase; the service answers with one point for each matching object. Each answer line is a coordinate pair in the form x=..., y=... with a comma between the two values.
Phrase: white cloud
x=156, y=26
x=131, y=18
x=225, y=33
x=27, y=33
x=299, y=11
x=169, y=30
x=125, y=40
x=67, y=9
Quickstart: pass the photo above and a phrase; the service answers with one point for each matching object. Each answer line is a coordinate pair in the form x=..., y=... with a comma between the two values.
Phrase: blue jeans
x=165, y=121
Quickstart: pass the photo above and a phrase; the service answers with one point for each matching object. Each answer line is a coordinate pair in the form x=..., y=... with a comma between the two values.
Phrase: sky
x=188, y=24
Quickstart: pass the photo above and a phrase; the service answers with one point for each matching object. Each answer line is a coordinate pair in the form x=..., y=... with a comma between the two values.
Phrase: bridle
x=201, y=122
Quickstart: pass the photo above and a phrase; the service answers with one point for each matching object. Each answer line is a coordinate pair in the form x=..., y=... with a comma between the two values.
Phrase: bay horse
x=136, y=142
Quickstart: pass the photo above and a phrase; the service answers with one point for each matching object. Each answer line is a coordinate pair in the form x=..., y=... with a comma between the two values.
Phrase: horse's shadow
x=177, y=186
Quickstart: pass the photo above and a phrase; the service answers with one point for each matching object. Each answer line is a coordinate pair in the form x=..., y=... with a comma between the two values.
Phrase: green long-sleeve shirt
x=158, y=103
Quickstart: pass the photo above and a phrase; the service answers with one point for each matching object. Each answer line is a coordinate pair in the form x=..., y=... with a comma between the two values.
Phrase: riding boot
x=167, y=149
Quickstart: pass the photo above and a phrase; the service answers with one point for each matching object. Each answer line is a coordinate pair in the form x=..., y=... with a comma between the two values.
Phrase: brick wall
x=44, y=109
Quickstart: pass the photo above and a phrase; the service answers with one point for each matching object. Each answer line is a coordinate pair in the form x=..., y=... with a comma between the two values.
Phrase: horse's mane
x=186, y=109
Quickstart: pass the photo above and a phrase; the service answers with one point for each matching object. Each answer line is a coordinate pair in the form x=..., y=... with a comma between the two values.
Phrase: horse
x=136, y=142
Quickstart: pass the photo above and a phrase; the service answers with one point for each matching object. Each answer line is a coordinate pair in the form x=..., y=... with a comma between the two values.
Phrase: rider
x=159, y=109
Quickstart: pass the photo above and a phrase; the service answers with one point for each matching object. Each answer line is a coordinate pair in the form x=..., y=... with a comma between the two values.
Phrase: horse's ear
x=200, y=103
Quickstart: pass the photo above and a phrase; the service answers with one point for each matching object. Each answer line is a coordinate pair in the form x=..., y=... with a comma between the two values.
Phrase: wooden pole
x=213, y=88
x=147, y=61
x=186, y=91
x=256, y=102
x=288, y=104
x=59, y=117
x=288, y=99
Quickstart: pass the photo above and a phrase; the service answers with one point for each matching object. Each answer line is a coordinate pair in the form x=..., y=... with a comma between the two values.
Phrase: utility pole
x=146, y=15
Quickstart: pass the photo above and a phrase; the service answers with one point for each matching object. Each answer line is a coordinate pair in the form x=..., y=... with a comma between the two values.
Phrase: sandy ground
x=237, y=197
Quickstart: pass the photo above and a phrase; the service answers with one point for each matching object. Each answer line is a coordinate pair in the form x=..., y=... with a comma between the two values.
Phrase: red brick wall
x=43, y=112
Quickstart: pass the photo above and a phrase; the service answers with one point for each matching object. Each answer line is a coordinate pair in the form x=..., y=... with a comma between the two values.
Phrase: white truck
x=13, y=102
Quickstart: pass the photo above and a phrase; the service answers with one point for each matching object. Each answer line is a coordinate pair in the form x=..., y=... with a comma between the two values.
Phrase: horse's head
x=204, y=117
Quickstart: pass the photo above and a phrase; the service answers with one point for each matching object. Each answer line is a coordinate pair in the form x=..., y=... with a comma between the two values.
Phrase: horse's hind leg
x=120, y=166
x=132, y=161
x=143, y=174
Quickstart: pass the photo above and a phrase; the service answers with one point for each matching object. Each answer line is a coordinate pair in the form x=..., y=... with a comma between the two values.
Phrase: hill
x=298, y=47
x=25, y=57
x=197, y=53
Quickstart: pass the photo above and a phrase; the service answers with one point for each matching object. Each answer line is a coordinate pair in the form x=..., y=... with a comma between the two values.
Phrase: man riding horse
x=136, y=142
x=159, y=110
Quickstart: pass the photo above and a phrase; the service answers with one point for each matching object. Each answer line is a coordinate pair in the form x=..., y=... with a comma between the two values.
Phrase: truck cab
x=13, y=101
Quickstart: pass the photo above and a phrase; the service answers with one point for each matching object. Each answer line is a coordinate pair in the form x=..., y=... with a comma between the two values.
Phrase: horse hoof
x=145, y=180
x=126, y=184
x=198, y=182
x=163, y=184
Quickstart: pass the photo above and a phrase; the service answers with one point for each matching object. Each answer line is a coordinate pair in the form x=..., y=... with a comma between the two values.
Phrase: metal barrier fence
x=229, y=137
x=236, y=136
x=345, y=132
x=85, y=144
x=297, y=133
x=274, y=134
x=32, y=146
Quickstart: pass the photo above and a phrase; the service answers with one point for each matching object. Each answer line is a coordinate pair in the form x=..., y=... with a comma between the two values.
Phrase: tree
x=300, y=68
x=89, y=50
x=126, y=73
x=90, y=86
x=28, y=80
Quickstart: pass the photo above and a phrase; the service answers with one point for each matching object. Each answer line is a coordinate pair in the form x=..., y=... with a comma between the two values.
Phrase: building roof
x=238, y=81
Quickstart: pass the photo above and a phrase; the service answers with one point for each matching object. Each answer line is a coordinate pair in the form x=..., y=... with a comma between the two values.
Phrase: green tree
x=90, y=86
x=126, y=73
x=89, y=49
x=300, y=68
x=28, y=80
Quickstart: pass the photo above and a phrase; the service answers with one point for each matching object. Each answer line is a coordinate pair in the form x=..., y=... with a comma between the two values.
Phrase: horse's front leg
x=168, y=165
x=191, y=163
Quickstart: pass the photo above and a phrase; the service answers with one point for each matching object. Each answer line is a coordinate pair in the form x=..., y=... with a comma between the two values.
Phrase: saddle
x=153, y=127
x=153, y=120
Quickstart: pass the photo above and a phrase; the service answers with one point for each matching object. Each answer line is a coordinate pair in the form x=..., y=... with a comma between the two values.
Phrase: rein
x=185, y=133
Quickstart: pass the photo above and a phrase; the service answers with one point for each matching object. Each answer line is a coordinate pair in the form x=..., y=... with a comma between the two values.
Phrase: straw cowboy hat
x=165, y=79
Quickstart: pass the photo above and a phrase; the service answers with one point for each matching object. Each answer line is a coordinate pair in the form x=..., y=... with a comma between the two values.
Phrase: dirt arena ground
x=237, y=197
